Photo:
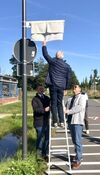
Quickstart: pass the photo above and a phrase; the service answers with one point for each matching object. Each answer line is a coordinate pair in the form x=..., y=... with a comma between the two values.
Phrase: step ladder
x=59, y=154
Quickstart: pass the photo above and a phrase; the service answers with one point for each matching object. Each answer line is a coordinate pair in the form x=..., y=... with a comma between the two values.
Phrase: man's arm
x=45, y=52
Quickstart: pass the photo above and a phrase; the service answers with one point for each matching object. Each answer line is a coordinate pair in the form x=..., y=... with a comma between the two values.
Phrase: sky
x=81, y=40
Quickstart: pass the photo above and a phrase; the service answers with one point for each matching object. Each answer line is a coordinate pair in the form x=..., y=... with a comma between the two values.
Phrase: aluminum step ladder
x=59, y=154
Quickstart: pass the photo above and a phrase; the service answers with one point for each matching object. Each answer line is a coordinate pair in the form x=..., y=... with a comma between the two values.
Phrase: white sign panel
x=49, y=30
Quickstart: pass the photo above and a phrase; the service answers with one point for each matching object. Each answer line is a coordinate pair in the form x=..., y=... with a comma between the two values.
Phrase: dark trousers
x=42, y=142
x=56, y=95
x=39, y=137
x=45, y=145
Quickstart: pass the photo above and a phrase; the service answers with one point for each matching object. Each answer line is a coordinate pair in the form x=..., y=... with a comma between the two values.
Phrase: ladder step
x=59, y=146
x=58, y=127
x=58, y=138
x=55, y=172
x=58, y=163
x=72, y=171
x=59, y=153
x=60, y=130
x=58, y=150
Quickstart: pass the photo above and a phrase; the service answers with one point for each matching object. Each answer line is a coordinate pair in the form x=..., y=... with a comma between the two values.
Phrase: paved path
x=91, y=146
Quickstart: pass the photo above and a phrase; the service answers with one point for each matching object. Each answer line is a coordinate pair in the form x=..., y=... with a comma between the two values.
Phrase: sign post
x=24, y=53
x=24, y=84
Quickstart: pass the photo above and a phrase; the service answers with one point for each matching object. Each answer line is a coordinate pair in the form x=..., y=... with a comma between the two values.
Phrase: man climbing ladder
x=59, y=76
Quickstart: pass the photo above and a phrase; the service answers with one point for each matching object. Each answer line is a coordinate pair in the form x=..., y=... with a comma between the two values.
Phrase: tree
x=90, y=81
x=40, y=78
x=95, y=73
x=40, y=73
x=13, y=61
x=73, y=80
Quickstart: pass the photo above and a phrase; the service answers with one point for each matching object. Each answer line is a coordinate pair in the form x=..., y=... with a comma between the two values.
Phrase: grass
x=11, y=108
x=13, y=124
x=16, y=108
x=10, y=124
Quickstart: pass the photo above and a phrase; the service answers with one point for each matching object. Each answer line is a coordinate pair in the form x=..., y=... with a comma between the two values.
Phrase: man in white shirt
x=76, y=113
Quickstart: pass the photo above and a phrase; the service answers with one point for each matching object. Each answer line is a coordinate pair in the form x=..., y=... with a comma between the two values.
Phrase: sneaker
x=62, y=125
x=87, y=132
x=73, y=158
x=75, y=165
x=55, y=125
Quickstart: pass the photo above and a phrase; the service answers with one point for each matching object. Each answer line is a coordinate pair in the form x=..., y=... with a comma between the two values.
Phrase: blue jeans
x=39, y=137
x=76, y=134
x=56, y=95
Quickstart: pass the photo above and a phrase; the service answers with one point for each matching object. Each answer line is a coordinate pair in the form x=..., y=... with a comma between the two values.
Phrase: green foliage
x=13, y=61
x=13, y=124
x=41, y=70
x=11, y=108
x=40, y=78
x=25, y=167
x=95, y=72
x=73, y=80
x=20, y=168
x=93, y=83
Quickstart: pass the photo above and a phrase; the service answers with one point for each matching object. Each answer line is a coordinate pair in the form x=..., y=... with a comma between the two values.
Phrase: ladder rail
x=50, y=144
x=49, y=159
x=67, y=142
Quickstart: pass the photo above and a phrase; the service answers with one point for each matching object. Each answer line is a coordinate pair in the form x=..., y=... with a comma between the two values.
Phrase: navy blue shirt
x=59, y=71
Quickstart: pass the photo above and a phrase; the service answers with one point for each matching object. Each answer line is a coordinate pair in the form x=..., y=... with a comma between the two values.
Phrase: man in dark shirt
x=41, y=107
x=59, y=74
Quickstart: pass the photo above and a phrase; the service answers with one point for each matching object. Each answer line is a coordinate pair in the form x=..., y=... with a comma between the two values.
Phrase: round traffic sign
x=31, y=50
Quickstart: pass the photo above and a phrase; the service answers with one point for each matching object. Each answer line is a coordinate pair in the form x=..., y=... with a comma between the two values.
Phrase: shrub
x=25, y=167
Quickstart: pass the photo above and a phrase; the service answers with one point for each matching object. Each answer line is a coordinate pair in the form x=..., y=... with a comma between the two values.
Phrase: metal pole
x=24, y=86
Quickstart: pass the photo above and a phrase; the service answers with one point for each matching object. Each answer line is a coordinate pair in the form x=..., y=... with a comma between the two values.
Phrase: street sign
x=31, y=50
x=29, y=69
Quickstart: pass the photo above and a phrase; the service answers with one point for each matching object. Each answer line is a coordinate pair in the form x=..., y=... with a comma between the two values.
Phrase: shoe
x=62, y=125
x=73, y=158
x=87, y=132
x=55, y=125
x=75, y=165
x=46, y=158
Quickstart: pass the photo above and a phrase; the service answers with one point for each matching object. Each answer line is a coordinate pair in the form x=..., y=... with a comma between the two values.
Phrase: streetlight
x=24, y=80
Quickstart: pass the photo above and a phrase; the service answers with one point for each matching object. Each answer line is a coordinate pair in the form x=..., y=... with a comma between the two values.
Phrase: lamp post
x=24, y=83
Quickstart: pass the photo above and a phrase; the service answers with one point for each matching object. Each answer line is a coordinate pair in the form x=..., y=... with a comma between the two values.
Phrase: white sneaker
x=55, y=125
x=87, y=132
x=62, y=125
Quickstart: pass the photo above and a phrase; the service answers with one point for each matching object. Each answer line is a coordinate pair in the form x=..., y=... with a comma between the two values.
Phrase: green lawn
x=13, y=124
x=16, y=108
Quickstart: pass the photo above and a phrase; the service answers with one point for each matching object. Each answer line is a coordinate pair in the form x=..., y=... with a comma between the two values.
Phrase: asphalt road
x=91, y=142
x=91, y=146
